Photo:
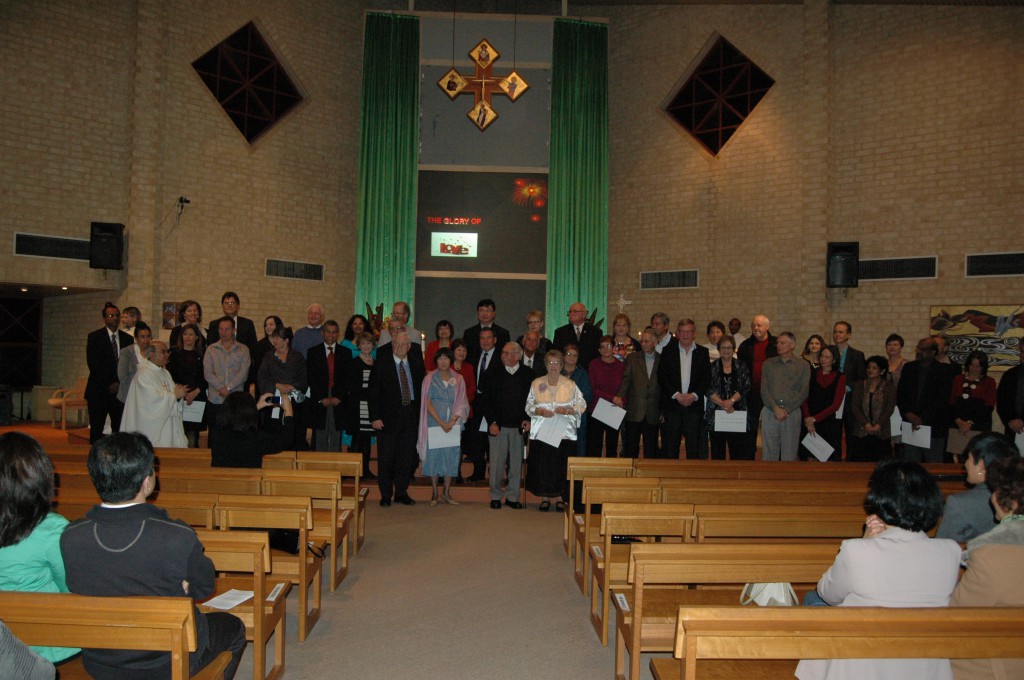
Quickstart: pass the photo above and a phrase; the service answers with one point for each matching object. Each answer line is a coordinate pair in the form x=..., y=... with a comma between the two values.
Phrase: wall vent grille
x=995, y=264
x=35, y=245
x=295, y=270
x=686, y=278
x=899, y=268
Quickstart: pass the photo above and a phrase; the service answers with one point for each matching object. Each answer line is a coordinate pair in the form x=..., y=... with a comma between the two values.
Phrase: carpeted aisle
x=453, y=592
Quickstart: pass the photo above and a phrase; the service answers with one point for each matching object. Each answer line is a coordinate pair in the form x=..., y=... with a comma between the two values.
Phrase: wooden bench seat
x=610, y=561
x=662, y=577
x=160, y=624
x=195, y=509
x=720, y=643
x=587, y=527
x=579, y=467
x=282, y=512
x=242, y=560
x=331, y=522
x=350, y=466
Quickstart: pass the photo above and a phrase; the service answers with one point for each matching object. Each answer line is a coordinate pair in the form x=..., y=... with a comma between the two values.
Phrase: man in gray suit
x=639, y=395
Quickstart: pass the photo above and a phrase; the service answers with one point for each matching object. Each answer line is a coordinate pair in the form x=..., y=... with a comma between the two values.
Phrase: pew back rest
x=654, y=564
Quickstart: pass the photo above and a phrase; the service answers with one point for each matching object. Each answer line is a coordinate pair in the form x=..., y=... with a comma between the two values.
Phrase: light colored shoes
x=449, y=500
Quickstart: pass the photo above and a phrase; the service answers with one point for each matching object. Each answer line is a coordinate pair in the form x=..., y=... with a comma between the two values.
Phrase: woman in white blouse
x=554, y=405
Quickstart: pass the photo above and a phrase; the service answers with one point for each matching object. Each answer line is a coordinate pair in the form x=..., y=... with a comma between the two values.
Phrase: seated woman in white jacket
x=895, y=564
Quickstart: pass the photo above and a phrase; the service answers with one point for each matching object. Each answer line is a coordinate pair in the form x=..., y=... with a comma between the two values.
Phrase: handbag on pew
x=769, y=595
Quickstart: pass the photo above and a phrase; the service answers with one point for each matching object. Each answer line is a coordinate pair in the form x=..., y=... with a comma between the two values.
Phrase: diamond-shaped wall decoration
x=249, y=82
x=719, y=95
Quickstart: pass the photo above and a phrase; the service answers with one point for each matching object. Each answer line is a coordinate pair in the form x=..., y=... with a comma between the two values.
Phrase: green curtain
x=578, y=207
x=386, y=250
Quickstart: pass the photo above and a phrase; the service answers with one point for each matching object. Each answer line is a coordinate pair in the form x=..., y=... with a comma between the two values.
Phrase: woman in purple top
x=605, y=379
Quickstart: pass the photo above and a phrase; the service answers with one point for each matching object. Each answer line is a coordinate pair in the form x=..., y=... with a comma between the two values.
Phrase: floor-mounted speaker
x=106, y=245
x=843, y=265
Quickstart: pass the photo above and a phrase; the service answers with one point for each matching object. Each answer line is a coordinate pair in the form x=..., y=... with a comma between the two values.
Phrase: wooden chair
x=350, y=465
x=65, y=400
x=159, y=624
x=652, y=521
x=243, y=560
x=770, y=640
x=282, y=512
x=331, y=523
x=597, y=490
x=662, y=577
x=579, y=467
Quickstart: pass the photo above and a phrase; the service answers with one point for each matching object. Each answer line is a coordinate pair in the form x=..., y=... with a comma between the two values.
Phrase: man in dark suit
x=485, y=313
x=245, y=330
x=923, y=399
x=533, y=357
x=753, y=352
x=640, y=395
x=394, y=402
x=325, y=371
x=101, y=353
x=477, y=442
x=851, y=364
x=586, y=335
x=1010, y=398
x=684, y=375
x=396, y=326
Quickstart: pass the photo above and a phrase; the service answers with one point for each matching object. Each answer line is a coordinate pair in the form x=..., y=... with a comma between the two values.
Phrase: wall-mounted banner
x=452, y=244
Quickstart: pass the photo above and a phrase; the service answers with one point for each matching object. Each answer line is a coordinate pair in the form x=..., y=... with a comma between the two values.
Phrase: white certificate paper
x=920, y=437
x=839, y=413
x=818, y=446
x=551, y=430
x=1019, y=441
x=437, y=438
x=229, y=600
x=895, y=421
x=609, y=414
x=730, y=422
x=193, y=413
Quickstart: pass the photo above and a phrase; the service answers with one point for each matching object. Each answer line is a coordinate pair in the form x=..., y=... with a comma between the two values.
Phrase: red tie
x=330, y=368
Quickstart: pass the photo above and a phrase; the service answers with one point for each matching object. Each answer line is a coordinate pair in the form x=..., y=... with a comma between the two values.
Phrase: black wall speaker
x=106, y=246
x=843, y=265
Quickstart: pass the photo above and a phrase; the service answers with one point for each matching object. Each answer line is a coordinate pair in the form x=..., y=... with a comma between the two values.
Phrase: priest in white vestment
x=153, y=405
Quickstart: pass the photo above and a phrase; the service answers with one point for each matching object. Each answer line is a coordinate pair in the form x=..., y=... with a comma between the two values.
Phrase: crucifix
x=483, y=84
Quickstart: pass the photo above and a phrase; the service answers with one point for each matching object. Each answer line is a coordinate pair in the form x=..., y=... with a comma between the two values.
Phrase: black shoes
x=544, y=506
x=385, y=503
x=495, y=505
x=515, y=505
x=405, y=500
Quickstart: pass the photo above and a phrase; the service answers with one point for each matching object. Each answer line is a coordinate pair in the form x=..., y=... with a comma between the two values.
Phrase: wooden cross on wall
x=483, y=84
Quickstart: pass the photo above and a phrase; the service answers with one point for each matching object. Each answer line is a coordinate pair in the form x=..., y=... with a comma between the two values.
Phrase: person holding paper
x=640, y=396
x=871, y=405
x=605, y=380
x=824, y=397
x=186, y=368
x=444, y=410
x=504, y=407
x=727, y=393
x=555, y=405
x=154, y=400
x=785, y=381
x=923, y=398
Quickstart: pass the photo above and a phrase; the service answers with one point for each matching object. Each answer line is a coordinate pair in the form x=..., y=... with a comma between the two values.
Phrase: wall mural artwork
x=483, y=84
x=995, y=330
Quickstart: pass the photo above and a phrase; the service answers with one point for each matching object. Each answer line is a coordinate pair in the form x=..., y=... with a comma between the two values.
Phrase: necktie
x=330, y=368
x=113, y=343
x=404, y=380
x=578, y=333
x=483, y=366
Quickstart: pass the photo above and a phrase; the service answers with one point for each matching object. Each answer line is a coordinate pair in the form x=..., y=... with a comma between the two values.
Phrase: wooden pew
x=587, y=527
x=195, y=509
x=232, y=481
x=770, y=640
x=762, y=492
x=331, y=523
x=162, y=624
x=350, y=465
x=243, y=560
x=282, y=512
x=285, y=460
x=780, y=523
x=647, y=608
x=579, y=467
x=652, y=521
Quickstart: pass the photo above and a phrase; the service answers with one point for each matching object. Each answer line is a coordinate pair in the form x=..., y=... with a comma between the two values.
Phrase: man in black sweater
x=505, y=409
x=128, y=547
